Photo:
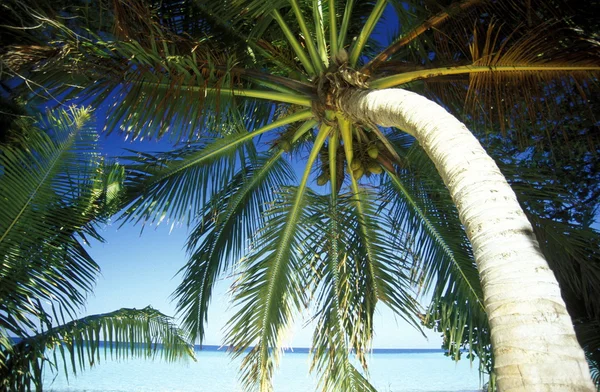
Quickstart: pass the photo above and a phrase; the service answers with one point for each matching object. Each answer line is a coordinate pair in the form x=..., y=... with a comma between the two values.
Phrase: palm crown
x=243, y=85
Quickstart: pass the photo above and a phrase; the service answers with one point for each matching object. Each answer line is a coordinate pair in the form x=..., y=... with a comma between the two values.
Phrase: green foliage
x=55, y=188
x=233, y=83
x=83, y=342
x=50, y=188
x=422, y=212
x=356, y=268
x=228, y=223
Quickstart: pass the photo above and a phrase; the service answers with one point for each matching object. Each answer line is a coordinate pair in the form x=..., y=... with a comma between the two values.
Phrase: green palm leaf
x=344, y=294
x=80, y=343
x=422, y=213
x=42, y=216
x=502, y=73
x=56, y=188
x=178, y=183
x=220, y=237
x=333, y=342
x=271, y=284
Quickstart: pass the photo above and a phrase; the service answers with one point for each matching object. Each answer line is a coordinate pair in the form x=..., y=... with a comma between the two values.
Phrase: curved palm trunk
x=532, y=334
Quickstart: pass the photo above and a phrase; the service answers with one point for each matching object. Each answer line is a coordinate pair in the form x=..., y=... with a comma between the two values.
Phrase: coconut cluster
x=365, y=161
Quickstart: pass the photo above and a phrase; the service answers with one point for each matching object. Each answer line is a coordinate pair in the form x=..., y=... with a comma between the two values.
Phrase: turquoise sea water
x=215, y=371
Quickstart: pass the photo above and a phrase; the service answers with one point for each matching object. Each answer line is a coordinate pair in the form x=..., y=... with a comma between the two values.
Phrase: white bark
x=532, y=334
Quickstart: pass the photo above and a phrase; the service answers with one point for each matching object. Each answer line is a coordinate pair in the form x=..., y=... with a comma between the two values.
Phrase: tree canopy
x=246, y=87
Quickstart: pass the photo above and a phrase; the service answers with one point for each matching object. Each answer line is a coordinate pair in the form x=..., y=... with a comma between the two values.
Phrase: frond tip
x=145, y=333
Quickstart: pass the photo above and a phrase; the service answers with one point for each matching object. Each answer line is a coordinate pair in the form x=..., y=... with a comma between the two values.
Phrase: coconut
x=375, y=168
x=285, y=145
x=373, y=151
x=358, y=173
x=322, y=179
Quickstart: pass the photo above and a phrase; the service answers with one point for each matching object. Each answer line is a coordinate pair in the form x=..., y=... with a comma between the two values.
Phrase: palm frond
x=80, y=343
x=368, y=27
x=228, y=222
x=434, y=33
x=595, y=371
x=409, y=33
x=345, y=297
x=153, y=83
x=269, y=291
x=506, y=73
x=385, y=261
x=177, y=184
x=304, y=58
x=333, y=342
x=310, y=43
x=500, y=92
x=201, y=20
x=588, y=337
x=46, y=190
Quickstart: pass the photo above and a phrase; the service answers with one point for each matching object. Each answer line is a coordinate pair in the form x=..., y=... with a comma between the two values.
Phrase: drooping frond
x=220, y=238
x=335, y=338
x=344, y=295
x=344, y=278
x=269, y=291
x=365, y=233
x=84, y=342
x=55, y=188
x=49, y=185
x=384, y=260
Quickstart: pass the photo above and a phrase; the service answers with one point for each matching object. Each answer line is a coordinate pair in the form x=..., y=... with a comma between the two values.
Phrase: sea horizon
x=390, y=370
x=303, y=350
x=307, y=350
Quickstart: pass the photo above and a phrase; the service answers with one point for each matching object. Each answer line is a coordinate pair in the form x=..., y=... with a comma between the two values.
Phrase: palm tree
x=553, y=208
x=55, y=189
x=563, y=217
x=304, y=78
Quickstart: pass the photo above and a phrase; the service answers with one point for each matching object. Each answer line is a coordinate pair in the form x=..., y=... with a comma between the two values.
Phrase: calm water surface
x=215, y=371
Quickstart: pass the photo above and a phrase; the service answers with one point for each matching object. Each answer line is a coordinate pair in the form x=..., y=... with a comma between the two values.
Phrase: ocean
x=390, y=371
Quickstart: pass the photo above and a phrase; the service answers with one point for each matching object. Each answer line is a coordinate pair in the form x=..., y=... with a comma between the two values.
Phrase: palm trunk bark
x=532, y=334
